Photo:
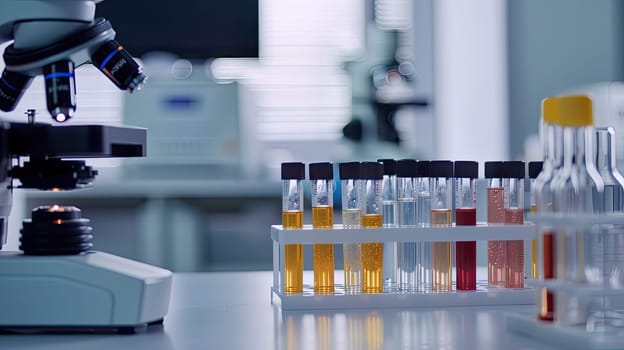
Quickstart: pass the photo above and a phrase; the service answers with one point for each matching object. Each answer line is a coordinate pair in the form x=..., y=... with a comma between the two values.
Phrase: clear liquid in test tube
x=390, y=216
x=406, y=251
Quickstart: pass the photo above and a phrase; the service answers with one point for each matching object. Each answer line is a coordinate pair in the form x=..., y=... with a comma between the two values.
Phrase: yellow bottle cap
x=550, y=110
x=575, y=111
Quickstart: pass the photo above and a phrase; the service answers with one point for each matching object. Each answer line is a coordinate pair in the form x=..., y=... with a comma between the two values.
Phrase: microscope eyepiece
x=12, y=87
x=119, y=66
x=60, y=90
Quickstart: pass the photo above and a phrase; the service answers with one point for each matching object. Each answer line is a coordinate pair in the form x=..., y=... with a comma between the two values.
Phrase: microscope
x=57, y=281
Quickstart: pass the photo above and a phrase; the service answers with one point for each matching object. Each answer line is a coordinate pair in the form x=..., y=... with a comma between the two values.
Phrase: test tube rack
x=483, y=296
x=565, y=336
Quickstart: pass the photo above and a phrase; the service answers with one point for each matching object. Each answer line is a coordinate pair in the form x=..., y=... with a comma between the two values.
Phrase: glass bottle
x=371, y=174
x=495, y=216
x=606, y=252
x=390, y=219
x=406, y=251
x=552, y=145
x=293, y=175
x=513, y=184
x=466, y=173
x=423, y=207
x=441, y=172
x=577, y=186
x=322, y=186
x=613, y=202
x=534, y=169
x=352, y=254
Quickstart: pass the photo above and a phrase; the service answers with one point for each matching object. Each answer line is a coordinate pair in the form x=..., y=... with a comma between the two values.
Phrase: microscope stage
x=91, y=290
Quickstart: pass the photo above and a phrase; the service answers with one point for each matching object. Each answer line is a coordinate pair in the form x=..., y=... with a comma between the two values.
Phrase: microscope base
x=93, y=290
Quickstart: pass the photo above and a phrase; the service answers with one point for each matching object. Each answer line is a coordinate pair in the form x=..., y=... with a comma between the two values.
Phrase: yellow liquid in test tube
x=533, y=249
x=442, y=253
x=323, y=217
x=372, y=257
x=293, y=254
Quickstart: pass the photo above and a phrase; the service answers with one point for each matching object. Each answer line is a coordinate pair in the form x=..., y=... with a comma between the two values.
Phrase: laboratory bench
x=232, y=310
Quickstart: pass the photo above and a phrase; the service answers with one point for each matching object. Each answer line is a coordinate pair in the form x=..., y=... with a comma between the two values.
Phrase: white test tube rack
x=483, y=296
x=560, y=335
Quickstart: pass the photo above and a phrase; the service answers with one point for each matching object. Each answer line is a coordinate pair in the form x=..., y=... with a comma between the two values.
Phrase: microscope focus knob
x=56, y=230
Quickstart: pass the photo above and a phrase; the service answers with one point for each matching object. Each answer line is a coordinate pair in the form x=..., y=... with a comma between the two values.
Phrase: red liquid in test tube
x=466, y=252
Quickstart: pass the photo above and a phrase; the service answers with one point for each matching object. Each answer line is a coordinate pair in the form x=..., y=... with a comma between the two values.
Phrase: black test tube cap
x=406, y=168
x=371, y=171
x=468, y=169
x=534, y=169
x=389, y=166
x=293, y=171
x=441, y=168
x=349, y=170
x=493, y=170
x=513, y=170
x=321, y=171
x=422, y=168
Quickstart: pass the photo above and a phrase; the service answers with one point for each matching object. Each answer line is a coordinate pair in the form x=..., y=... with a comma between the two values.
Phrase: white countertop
x=233, y=311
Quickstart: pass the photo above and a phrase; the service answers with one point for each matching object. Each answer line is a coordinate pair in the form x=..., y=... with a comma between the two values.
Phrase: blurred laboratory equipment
x=196, y=130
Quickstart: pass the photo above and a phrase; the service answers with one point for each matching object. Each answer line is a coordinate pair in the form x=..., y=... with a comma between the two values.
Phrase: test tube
x=552, y=144
x=513, y=184
x=406, y=251
x=322, y=185
x=441, y=172
x=371, y=174
x=293, y=175
x=534, y=169
x=423, y=207
x=352, y=254
x=495, y=216
x=390, y=219
x=466, y=173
